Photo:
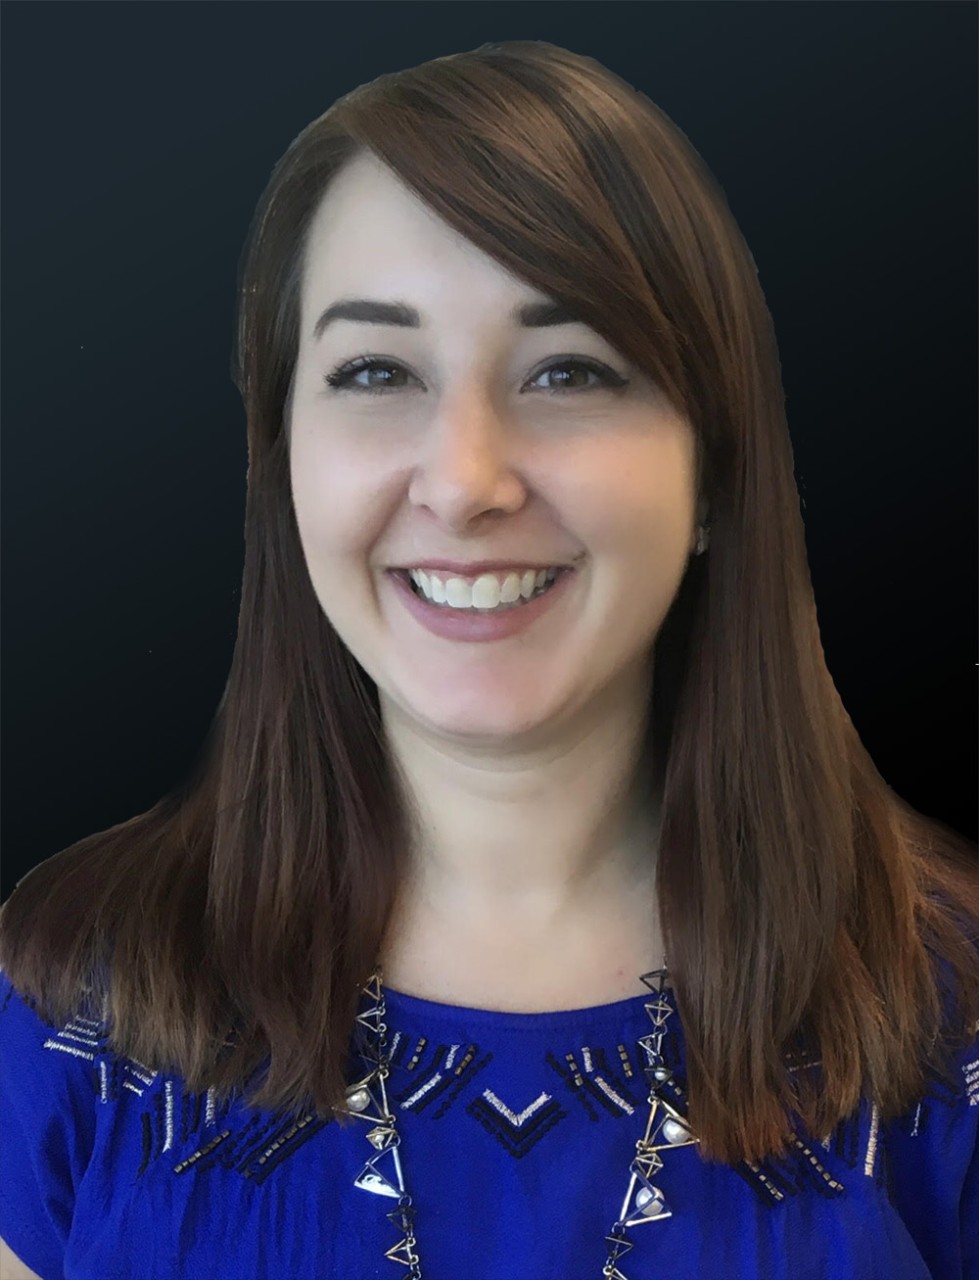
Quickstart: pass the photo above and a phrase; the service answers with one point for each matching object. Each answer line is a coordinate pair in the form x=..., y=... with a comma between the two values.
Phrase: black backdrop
x=136, y=139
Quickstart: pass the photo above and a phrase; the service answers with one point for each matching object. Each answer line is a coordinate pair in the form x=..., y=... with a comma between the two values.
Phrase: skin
x=531, y=881
x=11, y=1267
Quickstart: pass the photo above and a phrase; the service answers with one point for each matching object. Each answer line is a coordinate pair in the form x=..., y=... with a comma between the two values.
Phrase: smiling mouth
x=502, y=607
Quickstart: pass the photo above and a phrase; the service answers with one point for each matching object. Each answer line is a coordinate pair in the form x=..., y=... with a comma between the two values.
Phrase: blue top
x=517, y=1134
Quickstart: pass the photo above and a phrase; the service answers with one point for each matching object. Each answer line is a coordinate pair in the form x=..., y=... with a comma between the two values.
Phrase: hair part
x=805, y=906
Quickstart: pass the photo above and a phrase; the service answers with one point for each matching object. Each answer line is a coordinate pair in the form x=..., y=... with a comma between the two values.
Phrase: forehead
x=372, y=236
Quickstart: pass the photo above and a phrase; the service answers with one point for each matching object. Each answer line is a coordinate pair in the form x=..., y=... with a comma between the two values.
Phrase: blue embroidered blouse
x=517, y=1135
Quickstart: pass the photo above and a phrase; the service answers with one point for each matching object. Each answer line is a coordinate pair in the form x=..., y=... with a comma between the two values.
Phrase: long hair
x=804, y=905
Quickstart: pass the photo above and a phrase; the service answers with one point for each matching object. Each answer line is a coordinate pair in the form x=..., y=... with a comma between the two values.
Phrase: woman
x=532, y=843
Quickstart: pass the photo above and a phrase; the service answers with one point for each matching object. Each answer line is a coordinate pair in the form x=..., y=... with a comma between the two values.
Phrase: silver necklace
x=666, y=1128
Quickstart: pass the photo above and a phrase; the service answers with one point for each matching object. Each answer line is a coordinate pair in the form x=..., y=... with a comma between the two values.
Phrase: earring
x=703, y=539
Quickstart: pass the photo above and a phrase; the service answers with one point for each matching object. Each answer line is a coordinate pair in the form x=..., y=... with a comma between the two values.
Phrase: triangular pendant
x=657, y=1075
x=648, y=1205
x=368, y=1049
x=372, y=988
x=403, y=1252
x=658, y=1010
x=620, y=1245
x=371, y=1178
x=369, y=1012
x=364, y=1105
x=670, y=1129
x=382, y=1137
x=403, y=1217
x=648, y=1163
x=655, y=979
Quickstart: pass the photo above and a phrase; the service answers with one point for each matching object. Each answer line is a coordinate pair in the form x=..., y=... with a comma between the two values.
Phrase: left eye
x=605, y=375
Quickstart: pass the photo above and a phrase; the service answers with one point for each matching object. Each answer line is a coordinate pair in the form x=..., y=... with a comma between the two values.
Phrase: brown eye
x=341, y=379
x=579, y=370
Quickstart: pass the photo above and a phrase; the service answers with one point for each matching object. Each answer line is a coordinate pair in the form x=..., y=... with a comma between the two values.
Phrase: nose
x=467, y=463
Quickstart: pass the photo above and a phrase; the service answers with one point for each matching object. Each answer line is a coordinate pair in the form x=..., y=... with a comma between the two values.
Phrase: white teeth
x=489, y=591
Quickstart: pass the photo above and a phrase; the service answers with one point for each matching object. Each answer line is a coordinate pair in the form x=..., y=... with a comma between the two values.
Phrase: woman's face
x=476, y=440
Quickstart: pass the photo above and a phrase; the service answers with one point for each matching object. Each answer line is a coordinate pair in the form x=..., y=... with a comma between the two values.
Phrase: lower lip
x=472, y=624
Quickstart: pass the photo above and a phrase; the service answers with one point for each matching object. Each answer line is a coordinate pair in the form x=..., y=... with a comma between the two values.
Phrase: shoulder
x=25, y=1029
x=48, y=1104
x=931, y=1156
x=947, y=1112
x=45, y=1067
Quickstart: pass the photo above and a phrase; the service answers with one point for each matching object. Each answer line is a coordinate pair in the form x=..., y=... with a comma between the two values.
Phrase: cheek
x=337, y=501
x=621, y=504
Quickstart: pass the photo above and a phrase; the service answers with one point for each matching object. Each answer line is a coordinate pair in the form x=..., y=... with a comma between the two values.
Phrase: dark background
x=136, y=139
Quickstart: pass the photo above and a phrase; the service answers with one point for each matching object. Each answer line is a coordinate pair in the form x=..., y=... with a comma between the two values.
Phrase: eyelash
x=339, y=379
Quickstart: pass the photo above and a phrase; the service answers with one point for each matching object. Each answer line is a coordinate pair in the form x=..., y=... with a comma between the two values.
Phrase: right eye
x=341, y=379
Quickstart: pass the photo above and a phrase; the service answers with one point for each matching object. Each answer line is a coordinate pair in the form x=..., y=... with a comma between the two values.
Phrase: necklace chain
x=666, y=1128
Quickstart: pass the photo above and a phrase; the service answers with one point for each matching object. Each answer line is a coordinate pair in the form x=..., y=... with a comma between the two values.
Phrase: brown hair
x=805, y=906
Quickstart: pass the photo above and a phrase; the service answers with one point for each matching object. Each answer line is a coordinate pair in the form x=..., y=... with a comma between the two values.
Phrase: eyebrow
x=529, y=315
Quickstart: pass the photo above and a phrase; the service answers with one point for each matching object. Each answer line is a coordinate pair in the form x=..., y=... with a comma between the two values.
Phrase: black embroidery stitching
x=846, y=1140
x=462, y=1081
x=886, y=1180
x=420, y=1104
x=146, y=1135
x=306, y=1127
x=450, y=1077
x=881, y=1171
x=807, y=1171
x=419, y=1048
x=460, y=1068
x=193, y=1110
x=247, y=1138
x=159, y=1123
x=575, y=1085
x=399, y=1052
x=113, y=1071
x=204, y=1157
x=516, y=1140
x=778, y=1172
x=425, y=1060
x=755, y=1178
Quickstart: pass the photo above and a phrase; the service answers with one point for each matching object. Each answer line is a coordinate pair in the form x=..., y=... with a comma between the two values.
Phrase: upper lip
x=482, y=566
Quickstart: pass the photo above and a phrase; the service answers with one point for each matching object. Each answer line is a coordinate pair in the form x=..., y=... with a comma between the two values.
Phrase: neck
x=495, y=962
x=550, y=832
x=530, y=883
